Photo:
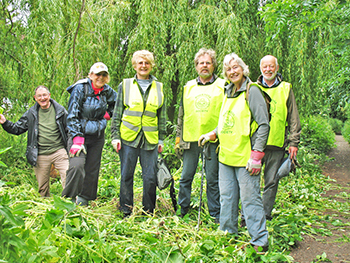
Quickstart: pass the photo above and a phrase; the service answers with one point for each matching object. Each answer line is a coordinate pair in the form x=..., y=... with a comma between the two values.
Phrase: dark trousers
x=83, y=171
x=128, y=160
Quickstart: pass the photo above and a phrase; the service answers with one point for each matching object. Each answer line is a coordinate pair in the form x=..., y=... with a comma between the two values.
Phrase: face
x=99, y=79
x=42, y=97
x=268, y=68
x=205, y=67
x=143, y=68
x=235, y=73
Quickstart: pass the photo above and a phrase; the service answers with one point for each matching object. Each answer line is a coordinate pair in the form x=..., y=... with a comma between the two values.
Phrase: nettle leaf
x=6, y=212
x=63, y=204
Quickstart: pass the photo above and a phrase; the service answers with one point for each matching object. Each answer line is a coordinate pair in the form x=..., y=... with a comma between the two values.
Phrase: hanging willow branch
x=75, y=38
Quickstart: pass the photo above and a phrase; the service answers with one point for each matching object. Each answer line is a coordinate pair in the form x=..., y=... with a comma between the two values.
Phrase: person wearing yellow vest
x=199, y=113
x=138, y=131
x=241, y=152
x=285, y=127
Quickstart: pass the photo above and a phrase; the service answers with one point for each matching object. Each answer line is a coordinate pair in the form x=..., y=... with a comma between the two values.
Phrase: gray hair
x=269, y=56
x=41, y=87
x=233, y=56
x=204, y=51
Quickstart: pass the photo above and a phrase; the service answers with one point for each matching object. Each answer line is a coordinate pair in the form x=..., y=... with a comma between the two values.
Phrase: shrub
x=317, y=134
x=346, y=131
x=336, y=125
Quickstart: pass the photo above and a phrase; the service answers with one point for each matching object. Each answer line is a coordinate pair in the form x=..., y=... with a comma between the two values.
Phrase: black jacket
x=29, y=122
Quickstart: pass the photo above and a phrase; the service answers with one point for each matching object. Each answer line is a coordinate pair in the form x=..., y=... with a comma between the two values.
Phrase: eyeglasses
x=102, y=74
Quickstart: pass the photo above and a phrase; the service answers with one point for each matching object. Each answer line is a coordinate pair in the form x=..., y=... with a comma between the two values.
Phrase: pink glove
x=160, y=148
x=107, y=117
x=293, y=152
x=254, y=163
x=77, y=147
x=117, y=145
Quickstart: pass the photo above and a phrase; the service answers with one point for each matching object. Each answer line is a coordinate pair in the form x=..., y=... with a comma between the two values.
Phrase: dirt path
x=311, y=248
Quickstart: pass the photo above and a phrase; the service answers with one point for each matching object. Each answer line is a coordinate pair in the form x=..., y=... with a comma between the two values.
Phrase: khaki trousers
x=42, y=170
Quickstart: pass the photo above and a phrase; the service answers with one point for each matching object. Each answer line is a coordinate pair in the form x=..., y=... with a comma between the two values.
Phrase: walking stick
x=205, y=156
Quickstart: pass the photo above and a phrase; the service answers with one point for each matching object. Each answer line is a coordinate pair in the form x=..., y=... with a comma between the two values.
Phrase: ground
x=312, y=247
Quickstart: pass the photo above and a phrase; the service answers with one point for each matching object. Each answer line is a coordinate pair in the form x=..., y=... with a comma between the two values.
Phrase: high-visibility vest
x=136, y=115
x=202, y=104
x=234, y=131
x=278, y=109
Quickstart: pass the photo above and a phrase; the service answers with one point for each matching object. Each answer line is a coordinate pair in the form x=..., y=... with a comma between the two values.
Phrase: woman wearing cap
x=138, y=130
x=90, y=105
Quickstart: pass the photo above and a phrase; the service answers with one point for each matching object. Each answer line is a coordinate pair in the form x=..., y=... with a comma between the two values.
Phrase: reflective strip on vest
x=202, y=104
x=234, y=131
x=136, y=116
x=278, y=109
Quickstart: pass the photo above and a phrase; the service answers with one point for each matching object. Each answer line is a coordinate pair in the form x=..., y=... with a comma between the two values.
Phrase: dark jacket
x=30, y=122
x=86, y=110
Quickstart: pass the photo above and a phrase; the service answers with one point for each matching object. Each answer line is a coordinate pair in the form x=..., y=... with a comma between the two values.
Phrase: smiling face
x=99, y=79
x=143, y=68
x=269, y=68
x=234, y=73
x=42, y=97
x=205, y=67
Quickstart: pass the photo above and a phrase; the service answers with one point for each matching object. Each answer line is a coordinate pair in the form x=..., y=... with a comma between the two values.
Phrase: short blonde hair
x=145, y=54
x=204, y=51
x=233, y=56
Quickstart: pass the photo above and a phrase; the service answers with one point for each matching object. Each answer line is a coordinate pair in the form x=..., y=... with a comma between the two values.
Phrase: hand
x=77, y=147
x=178, y=151
x=107, y=117
x=254, y=163
x=160, y=147
x=117, y=145
x=211, y=136
x=293, y=152
x=2, y=119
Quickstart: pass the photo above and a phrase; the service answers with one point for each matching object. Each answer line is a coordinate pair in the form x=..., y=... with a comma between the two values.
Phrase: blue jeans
x=236, y=183
x=190, y=163
x=272, y=160
x=128, y=160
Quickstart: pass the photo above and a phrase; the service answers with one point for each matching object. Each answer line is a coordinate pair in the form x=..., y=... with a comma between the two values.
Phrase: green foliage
x=346, y=131
x=317, y=134
x=336, y=125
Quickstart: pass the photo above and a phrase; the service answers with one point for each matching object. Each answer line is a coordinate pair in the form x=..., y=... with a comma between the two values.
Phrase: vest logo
x=202, y=101
x=135, y=103
x=229, y=122
x=273, y=106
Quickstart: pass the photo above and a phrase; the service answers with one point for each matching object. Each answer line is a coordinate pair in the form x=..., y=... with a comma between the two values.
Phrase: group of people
x=229, y=114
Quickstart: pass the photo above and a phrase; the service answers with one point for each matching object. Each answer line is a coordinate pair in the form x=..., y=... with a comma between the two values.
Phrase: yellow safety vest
x=234, y=131
x=136, y=116
x=278, y=109
x=202, y=104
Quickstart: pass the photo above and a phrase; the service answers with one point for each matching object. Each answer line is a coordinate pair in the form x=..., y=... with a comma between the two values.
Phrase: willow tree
x=62, y=39
x=311, y=40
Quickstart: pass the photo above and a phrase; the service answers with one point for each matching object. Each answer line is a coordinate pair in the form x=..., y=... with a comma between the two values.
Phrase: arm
x=293, y=120
x=74, y=110
x=259, y=112
x=117, y=114
x=21, y=126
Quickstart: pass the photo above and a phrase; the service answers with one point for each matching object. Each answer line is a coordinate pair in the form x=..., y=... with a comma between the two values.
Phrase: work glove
x=210, y=136
x=160, y=147
x=254, y=163
x=107, y=117
x=117, y=145
x=77, y=147
x=178, y=151
x=293, y=152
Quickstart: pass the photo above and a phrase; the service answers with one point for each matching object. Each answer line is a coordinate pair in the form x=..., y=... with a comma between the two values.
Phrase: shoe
x=81, y=201
x=243, y=223
x=261, y=250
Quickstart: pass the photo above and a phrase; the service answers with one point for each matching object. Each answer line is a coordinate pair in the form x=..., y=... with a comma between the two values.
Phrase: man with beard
x=199, y=114
x=47, y=137
x=284, y=127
